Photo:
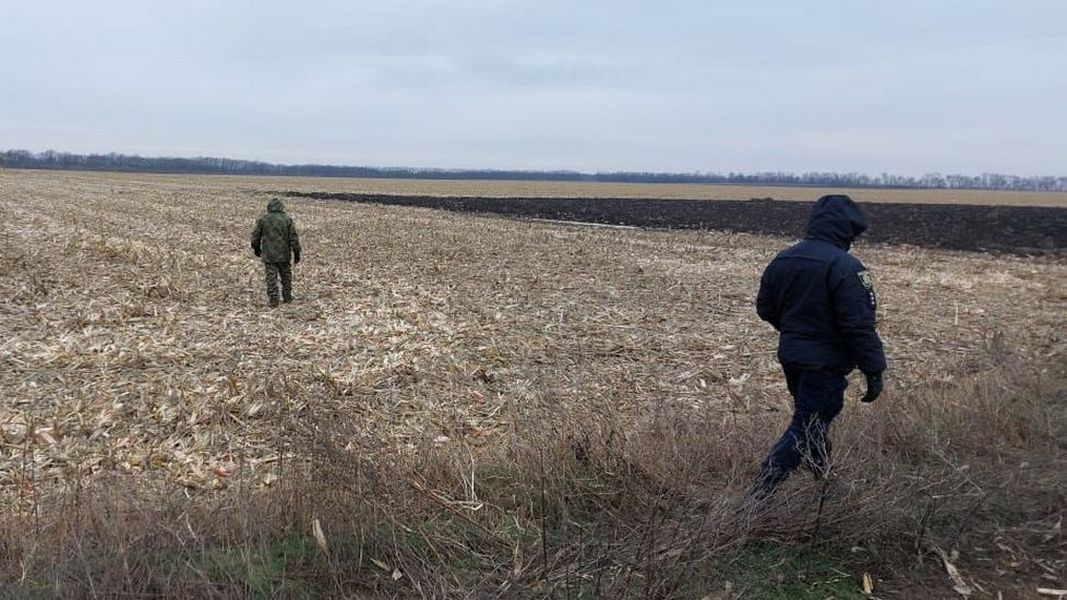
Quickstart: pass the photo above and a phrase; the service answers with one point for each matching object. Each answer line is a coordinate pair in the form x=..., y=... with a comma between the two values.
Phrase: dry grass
x=448, y=391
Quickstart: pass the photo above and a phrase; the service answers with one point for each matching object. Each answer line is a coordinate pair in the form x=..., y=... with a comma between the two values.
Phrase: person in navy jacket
x=821, y=301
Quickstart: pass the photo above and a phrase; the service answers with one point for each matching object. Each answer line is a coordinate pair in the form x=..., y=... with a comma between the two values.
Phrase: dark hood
x=836, y=219
x=275, y=205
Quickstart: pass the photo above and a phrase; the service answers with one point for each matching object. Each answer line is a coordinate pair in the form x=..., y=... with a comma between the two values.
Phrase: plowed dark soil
x=1017, y=229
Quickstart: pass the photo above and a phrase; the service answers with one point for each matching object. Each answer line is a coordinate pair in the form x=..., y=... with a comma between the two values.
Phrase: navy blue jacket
x=821, y=299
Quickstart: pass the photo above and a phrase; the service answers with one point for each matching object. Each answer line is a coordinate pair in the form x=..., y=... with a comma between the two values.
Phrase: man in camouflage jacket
x=275, y=240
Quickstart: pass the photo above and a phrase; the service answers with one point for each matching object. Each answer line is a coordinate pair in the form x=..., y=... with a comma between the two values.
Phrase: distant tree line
x=50, y=159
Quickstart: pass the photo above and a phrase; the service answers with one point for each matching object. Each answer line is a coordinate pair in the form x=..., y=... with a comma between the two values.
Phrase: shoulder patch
x=866, y=279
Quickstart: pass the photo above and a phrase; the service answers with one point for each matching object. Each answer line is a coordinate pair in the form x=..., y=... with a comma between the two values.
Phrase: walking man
x=821, y=301
x=275, y=240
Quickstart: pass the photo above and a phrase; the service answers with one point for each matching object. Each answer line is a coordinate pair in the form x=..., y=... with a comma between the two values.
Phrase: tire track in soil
x=1014, y=229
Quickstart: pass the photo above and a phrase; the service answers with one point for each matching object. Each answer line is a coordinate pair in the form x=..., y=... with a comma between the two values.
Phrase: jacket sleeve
x=766, y=307
x=855, y=304
x=257, y=235
x=294, y=238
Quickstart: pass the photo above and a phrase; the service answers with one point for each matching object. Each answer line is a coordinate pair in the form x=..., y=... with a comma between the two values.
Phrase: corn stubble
x=472, y=406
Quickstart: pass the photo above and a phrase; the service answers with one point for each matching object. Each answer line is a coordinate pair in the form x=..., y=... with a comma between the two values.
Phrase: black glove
x=874, y=387
x=296, y=257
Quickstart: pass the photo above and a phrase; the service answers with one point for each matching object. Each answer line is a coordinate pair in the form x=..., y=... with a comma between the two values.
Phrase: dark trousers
x=817, y=398
x=274, y=272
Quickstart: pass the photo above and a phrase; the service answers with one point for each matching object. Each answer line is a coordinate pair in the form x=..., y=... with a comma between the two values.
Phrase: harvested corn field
x=135, y=342
x=136, y=337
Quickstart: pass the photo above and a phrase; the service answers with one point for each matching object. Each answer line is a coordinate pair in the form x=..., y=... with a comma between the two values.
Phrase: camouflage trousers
x=275, y=271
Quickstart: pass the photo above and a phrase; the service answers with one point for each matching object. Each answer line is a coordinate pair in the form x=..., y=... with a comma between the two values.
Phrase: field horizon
x=556, y=189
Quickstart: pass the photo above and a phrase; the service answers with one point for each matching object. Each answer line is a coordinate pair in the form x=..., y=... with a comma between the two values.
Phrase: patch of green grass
x=782, y=572
x=277, y=569
x=264, y=574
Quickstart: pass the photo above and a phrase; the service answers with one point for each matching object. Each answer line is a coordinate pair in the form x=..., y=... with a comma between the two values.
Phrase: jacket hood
x=275, y=205
x=836, y=219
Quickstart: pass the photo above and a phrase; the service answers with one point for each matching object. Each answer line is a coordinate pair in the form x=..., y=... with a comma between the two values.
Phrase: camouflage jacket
x=275, y=234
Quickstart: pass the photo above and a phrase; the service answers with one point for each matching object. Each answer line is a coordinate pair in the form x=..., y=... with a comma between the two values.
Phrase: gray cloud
x=904, y=87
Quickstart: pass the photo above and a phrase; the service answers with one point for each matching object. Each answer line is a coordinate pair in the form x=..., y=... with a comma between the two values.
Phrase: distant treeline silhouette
x=50, y=159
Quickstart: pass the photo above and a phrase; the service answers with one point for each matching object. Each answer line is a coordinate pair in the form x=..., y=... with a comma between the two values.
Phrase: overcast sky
x=901, y=86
